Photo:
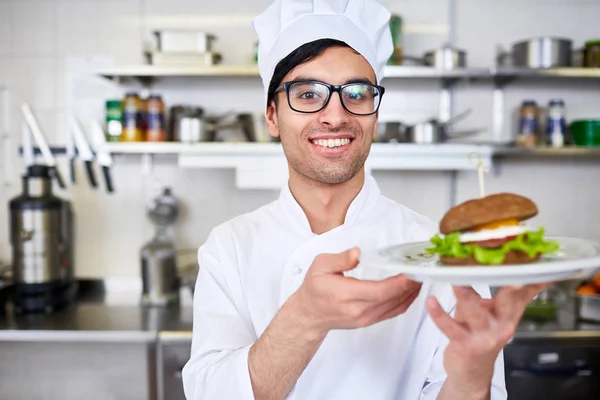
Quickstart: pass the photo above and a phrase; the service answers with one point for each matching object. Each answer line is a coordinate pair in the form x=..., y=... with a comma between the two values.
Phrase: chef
x=282, y=307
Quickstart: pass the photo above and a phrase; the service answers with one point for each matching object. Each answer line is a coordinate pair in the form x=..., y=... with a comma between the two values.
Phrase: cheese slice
x=488, y=234
x=497, y=224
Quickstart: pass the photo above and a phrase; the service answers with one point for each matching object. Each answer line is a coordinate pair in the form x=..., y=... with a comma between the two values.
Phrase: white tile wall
x=36, y=32
x=38, y=36
x=5, y=27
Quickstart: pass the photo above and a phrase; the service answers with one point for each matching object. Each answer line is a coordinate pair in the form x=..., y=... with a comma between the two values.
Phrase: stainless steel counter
x=94, y=320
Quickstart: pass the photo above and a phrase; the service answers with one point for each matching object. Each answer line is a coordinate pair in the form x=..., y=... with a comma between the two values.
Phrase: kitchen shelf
x=152, y=71
x=382, y=155
x=390, y=71
x=548, y=152
x=263, y=165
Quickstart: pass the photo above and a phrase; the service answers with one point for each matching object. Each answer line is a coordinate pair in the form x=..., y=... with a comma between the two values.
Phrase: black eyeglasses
x=312, y=96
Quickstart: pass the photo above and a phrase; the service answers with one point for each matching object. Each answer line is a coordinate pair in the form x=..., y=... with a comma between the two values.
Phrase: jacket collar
x=365, y=199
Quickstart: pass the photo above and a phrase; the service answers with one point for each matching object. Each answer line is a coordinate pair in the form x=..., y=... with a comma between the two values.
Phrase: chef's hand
x=477, y=333
x=328, y=300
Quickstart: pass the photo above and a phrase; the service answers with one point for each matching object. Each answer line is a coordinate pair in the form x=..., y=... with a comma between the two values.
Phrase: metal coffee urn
x=41, y=235
x=160, y=280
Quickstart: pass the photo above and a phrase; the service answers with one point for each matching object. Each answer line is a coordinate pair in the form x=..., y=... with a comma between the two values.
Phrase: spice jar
x=529, y=131
x=591, y=54
x=155, y=119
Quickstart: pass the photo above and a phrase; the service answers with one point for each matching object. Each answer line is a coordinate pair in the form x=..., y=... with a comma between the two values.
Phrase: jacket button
x=296, y=270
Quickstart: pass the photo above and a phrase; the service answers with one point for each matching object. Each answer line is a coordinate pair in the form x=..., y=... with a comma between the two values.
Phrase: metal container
x=184, y=41
x=160, y=280
x=543, y=52
x=187, y=125
x=588, y=307
x=446, y=57
x=42, y=245
x=434, y=131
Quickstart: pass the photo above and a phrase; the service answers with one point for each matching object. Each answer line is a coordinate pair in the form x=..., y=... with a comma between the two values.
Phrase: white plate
x=576, y=258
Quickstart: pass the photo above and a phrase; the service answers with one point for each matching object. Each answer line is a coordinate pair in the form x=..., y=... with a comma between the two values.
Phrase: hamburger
x=491, y=231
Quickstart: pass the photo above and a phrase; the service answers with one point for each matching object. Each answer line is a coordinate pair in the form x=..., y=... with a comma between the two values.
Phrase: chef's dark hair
x=302, y=54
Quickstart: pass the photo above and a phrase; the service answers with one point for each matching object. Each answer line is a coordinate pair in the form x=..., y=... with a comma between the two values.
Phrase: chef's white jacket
x=250, y=265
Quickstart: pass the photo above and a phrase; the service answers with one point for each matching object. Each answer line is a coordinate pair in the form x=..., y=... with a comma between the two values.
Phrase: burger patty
x=512, y=257
x=492, y=243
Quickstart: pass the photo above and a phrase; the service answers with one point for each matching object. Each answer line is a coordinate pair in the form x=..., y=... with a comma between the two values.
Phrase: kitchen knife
x=102, y=153
x=70, y=146
x=42, y=144
x=28, y=156
x=83, y=150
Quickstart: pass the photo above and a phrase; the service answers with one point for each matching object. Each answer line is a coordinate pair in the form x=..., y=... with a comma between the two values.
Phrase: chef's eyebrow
x=357, y=79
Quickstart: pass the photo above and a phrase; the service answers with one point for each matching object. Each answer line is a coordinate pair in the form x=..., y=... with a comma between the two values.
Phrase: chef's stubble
x=328, y=172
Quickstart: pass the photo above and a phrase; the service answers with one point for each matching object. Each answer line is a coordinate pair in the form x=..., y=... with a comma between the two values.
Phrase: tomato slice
x=493, y=243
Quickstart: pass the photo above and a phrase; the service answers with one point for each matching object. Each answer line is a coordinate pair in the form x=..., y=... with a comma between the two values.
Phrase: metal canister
x=42, y=245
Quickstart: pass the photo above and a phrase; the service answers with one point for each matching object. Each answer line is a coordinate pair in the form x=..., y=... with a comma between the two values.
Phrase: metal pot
x=434, y=131
x=446, y=58
x=542, y=52
x=187, y=125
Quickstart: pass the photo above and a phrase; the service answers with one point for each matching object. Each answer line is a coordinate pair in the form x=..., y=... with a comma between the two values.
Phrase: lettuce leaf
x=530, y=242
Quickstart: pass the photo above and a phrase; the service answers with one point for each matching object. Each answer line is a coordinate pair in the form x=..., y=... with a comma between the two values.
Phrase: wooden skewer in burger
x=490, y=231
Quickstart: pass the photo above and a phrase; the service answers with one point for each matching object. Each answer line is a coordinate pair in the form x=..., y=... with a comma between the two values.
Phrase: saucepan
x=434, y=131
x=445, y=57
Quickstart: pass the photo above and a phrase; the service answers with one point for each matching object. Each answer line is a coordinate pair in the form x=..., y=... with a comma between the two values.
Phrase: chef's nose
x=334, y=113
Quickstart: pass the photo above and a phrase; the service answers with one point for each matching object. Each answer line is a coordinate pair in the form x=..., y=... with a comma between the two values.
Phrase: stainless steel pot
x=542, y=52
x=446, y=58
x=433, y=131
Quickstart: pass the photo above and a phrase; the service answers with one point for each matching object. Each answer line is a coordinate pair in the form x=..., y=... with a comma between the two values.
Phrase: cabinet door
x=68, y=370
x=172, y=356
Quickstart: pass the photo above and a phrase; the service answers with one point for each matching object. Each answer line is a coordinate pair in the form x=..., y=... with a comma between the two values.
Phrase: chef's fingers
x=336, y=263
x=380, y=291
x=512, y=300
x=452, y=329
x=472, y=311
x=397, y=308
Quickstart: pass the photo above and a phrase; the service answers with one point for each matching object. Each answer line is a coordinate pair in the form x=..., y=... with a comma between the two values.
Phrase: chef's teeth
x=331, y=142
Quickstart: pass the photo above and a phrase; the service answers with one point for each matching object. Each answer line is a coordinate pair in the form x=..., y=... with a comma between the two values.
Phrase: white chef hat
x=288, y=24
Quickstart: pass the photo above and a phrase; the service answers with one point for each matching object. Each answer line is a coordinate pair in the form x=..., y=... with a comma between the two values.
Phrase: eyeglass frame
x=332, y=89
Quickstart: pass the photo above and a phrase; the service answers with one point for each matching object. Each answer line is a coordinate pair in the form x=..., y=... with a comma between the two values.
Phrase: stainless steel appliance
x=41, y=235
x=553, y=367
x=160, y=280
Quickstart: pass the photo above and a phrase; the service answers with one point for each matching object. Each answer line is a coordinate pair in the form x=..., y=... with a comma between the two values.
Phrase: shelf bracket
x=452, y=189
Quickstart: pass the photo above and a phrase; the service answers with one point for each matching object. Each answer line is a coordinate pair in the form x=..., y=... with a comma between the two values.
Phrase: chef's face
x=305, y=136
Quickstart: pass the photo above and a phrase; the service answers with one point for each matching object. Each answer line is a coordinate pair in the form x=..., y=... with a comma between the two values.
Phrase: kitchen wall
x=43, y=42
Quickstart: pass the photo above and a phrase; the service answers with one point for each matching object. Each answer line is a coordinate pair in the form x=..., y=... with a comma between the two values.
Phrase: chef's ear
x=376, y=125
x=271, y=118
